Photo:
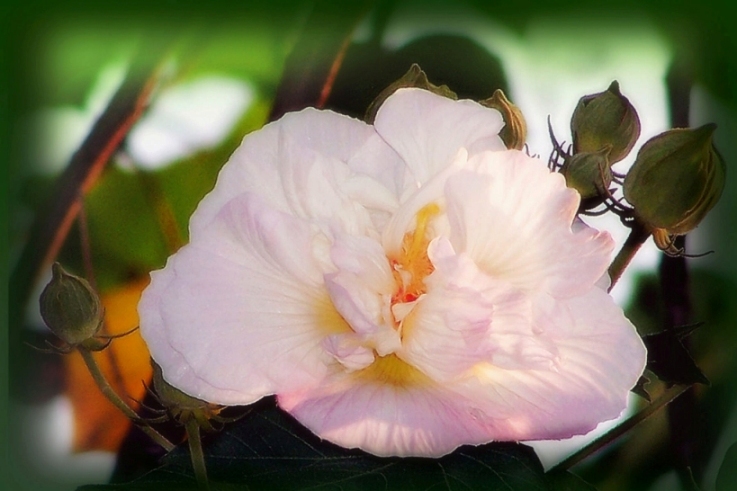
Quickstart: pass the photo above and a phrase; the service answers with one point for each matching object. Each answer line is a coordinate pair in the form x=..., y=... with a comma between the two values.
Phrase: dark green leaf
x=567, y=481
x=640, y=389
x=727, y=476
x=669, y=359
x=267, y=449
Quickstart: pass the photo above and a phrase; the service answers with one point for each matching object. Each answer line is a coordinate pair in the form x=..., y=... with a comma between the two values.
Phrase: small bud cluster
x=604, y=128
x=677, y=177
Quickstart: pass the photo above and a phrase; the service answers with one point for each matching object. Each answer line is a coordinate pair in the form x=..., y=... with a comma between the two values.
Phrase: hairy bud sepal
x=514, y=133
x=415, y=77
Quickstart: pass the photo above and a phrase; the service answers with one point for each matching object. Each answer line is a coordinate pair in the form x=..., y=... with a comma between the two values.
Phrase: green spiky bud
x=606, y=118
x=70, y=307
x=589, y=173
x=677, y=178
x=414, y=77
x=514, y=133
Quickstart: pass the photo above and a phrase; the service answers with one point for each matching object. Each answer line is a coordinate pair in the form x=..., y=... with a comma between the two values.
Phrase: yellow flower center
x=413, y=264
x=391, y=370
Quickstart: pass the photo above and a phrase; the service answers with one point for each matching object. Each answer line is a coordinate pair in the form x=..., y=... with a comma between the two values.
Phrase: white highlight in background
x=186, y=118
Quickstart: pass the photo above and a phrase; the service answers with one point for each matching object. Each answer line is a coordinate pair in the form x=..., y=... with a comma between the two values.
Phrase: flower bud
x=677, y=178
x=414, y=77
x=606, y=118
x=70, y=307
x=514, y=132
x=589, y=172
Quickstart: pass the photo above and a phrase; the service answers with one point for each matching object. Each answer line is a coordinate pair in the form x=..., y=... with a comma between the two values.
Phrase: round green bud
x=606, y=118
x=589, y=173
x=677, y=178
x=514, y=133
x=70, y=307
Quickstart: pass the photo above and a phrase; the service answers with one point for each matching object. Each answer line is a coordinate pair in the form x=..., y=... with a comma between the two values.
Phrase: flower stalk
x=665, y=398
x=114, y=398
x=638, y=235
x=196, y=454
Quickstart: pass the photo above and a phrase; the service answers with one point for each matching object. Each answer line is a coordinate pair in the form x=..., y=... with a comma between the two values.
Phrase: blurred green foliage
x=54, y=53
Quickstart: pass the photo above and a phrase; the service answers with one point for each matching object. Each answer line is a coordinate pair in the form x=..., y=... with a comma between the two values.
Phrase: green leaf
x=567, y=481
x=727, y=475
x=669, y=359
x=268, y=449
x=640, y=389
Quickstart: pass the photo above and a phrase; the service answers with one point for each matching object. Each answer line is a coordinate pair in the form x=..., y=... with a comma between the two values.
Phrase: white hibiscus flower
x=403, y=288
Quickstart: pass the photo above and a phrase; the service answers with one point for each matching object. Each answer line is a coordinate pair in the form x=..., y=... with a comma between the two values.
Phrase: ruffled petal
x=431, y=192
x=419, y=418
x=600, y=358
x=427, y=130
x=348, y=348
x=467, y=318
x=302, y=163
x=241, y=312
x=513, y=216
x=361, y=291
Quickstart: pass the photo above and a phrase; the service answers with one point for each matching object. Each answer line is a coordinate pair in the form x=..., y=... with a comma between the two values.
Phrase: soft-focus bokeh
x=223, y=69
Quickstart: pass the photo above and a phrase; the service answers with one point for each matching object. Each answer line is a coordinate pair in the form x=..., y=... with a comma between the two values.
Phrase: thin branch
x=313, y=64
x=616, y=432
x=114, y=398
x=53, y=222
x=327, y=87
x=85, y=244
x=638, y=235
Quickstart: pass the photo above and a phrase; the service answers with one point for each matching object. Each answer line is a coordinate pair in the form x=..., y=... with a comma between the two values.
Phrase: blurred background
x=158, y=97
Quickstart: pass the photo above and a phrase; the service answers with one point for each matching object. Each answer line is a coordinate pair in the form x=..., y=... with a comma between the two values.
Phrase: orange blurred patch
x=98, y=425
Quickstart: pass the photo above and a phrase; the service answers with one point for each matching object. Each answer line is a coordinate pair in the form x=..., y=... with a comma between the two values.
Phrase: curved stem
x=664, y=399
x=114, y=398
x=638, y=235
x=196, y=453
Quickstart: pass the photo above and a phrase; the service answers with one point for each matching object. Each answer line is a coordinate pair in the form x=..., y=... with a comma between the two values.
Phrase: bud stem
x=638, y=235
x=196, y=453
x=114, y=398
x=665, y=398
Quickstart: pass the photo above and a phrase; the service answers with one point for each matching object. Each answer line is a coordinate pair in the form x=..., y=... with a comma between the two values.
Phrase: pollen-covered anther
x=413, y=264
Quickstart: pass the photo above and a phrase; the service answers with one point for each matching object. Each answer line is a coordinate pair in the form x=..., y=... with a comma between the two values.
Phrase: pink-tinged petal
x=241, y=311
x=427, y=130
x=600, y=358
x=431, y=192
x=308, y=148
x=403, y=289
x=349, y=350
x=386, y=417
x=514, y=217
x=361, y=291
x=467, y=318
